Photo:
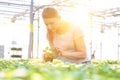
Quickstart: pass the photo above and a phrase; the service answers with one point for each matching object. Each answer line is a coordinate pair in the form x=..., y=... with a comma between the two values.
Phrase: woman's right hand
x=58, y=51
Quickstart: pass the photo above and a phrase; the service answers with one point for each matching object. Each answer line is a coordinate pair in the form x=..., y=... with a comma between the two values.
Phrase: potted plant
x=48, y=55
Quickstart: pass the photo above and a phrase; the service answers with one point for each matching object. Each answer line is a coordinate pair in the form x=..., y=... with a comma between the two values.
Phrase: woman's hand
x=58, y=51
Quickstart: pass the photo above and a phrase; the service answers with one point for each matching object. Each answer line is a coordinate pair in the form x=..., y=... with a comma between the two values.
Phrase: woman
x=65, y=39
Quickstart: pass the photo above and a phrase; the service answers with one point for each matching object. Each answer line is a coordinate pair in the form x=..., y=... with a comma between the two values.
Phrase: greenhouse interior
x=25, y=52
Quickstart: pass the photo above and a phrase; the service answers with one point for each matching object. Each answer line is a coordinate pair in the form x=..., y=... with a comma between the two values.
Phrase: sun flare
x=78, y=15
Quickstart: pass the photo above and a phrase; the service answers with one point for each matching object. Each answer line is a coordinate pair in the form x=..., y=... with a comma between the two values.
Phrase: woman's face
x=52, y=23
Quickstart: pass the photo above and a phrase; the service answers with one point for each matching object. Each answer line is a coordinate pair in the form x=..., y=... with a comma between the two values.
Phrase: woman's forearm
x=73, y=55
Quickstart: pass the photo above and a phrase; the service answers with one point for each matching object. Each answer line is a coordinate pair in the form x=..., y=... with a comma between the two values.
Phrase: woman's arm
x=50, y=40
x=78, y=53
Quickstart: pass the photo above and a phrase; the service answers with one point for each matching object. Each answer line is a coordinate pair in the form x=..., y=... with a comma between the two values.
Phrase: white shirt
x=66, y=41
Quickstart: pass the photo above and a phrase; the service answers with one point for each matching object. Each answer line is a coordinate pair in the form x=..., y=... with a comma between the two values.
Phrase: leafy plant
x=48, y=55
x=33, y=69
x=16, y=55
x=13, y=48
x=16, y=49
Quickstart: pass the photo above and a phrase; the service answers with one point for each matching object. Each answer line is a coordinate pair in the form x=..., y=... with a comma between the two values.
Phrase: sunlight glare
x=78, y=15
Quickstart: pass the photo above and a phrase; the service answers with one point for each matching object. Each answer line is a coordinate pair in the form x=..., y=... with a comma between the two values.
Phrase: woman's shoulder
x=73, y=27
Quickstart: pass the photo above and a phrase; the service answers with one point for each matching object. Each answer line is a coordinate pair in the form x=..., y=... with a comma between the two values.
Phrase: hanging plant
x=16, y=56
x=19, y=49
x=13, y=48
x=15, y=53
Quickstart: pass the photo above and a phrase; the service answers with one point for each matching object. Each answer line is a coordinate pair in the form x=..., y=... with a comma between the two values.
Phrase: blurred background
x=23, y=32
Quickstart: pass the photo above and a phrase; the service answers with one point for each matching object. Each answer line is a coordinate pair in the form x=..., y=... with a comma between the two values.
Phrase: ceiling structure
x=14, y=8
x=17, y=8
x=109, y=17
x=10, y=8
